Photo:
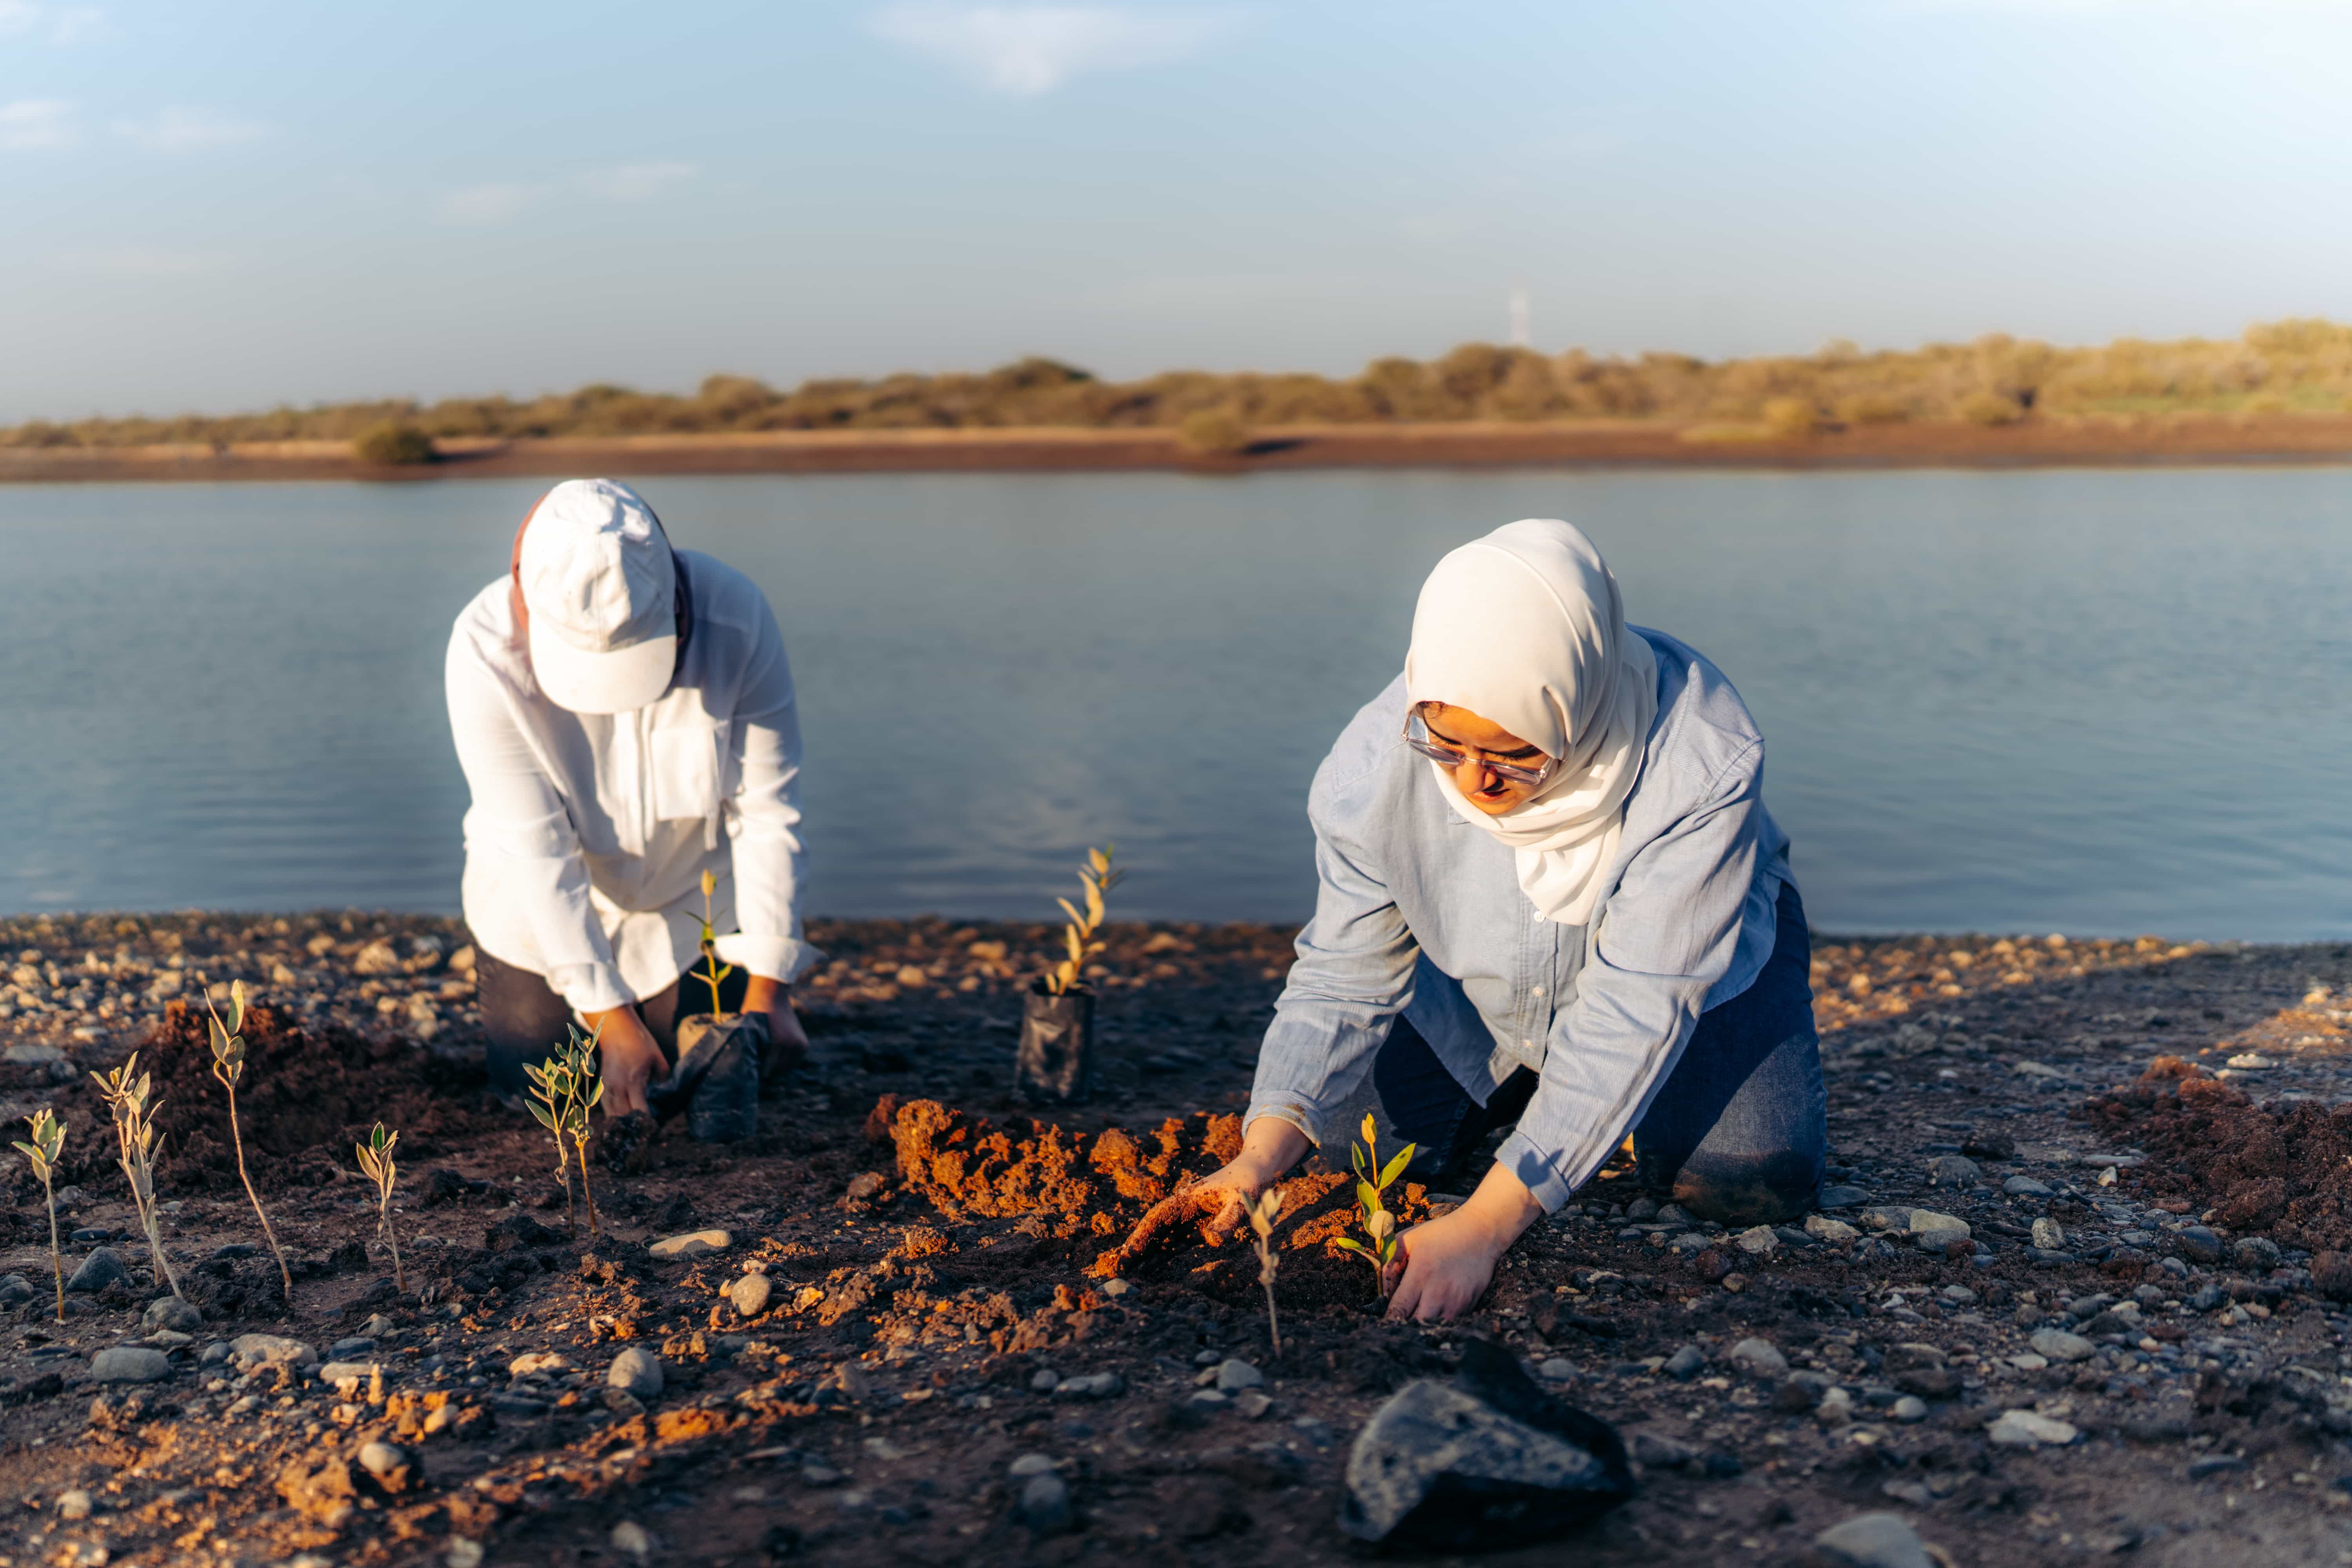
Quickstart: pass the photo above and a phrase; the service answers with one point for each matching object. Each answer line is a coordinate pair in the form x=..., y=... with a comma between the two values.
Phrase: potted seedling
x=1372, y=1181
x=1056, y=1058
x=48, y=1135
x=1262, y=1210
x=125, y=1091
x=719, y=1053
x=377, y=1164
x=228, y=1067
x=564, y=1090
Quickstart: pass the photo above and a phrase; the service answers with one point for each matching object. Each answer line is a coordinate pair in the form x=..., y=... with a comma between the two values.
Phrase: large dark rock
x=1485, y=1462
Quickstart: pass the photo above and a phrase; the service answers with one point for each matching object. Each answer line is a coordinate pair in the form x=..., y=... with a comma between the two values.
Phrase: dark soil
x=932, y=1251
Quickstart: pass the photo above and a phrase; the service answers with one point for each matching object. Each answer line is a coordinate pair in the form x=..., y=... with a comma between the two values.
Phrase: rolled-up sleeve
x=763, y=815
x=1353, y=975
x=519, y=818
x=1665, y=937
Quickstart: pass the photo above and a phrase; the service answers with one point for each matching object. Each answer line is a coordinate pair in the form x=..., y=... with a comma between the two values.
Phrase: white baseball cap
x=600, y=587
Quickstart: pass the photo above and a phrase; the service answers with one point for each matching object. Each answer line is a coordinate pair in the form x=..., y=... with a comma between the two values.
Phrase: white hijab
x=1525, y=629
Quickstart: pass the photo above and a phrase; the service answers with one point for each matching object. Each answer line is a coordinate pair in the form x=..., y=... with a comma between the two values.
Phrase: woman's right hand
x=1270, y=1146
x=630, y=1059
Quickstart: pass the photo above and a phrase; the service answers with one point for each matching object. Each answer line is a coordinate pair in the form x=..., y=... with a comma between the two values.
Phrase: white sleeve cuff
x=781, y=958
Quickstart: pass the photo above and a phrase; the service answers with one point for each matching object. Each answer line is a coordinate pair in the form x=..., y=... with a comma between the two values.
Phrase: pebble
x=2197, y=1243
x=2059, y=1345
x=1836, y=1232
x=382, y=1460
x=1116, y=1288
x=1757, y=1358
x=2026, y=1187
x=74, y=1504
x=749, y=1295
x=1092, y=1385
x=1685, y=1363
x=1044, y=1380
x=1933, y=1229
x=15, y=1289
x=1953, y=1170
x=101, y=1268
x=1835, y=1409
x=692, y=1244
x=1957, y=1296
x=1839, y=1197
x=1314, y=1430
x=2048, y=1236
x=2252, y=1061
x=1909, y=1409
x=1252, y=1403
x=334, y=1372
x=1029, y=1465
x=1758, y=1241
x=1872, y=1541
x=253, y=1350
x=2214, y=1465
x=629, y=1536
x=1559, y=1369
x=636, y=1371
x=349, y=1350
x=1045, y=1504
x=538, y=1362
x=2024, y=1429
x=129, y=1363
x=1235, y=1375
x=171, y=1312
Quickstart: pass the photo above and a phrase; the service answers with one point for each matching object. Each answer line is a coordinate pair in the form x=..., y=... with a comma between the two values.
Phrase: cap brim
x=618, y=682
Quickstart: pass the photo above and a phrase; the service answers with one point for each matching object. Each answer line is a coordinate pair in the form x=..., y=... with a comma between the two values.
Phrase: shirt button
x=1539, y=991
x=1526, y=1044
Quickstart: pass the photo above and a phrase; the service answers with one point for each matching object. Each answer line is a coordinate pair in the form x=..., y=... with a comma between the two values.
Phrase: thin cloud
x=16, y=17
x=634, y=182
x=188, y=131
x=493, y=203
x=1024, y=51
x=63, y=23
x=36, y=123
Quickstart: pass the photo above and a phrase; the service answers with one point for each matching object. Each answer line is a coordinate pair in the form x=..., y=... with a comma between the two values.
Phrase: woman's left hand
x=1446, y=1263
x=787, y=1041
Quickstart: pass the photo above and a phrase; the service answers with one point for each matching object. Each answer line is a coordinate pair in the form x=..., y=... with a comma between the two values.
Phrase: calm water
x=2096, y=702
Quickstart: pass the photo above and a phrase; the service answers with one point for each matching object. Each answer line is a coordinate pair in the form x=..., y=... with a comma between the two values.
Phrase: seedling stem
x=1372, y=1181
x=228, y=1067
x=48, y=1138
x=136, y=1137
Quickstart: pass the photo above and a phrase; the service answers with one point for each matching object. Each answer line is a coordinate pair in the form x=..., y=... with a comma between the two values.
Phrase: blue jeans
x=1739, y=1133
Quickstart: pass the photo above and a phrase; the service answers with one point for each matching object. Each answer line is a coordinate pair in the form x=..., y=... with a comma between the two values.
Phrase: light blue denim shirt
x=1420, y=912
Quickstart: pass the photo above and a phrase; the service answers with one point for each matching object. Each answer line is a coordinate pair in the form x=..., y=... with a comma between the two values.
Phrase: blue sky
x=225, y=205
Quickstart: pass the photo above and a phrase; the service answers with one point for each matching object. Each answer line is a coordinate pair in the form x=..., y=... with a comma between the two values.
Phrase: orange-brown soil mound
x=2287, y=1172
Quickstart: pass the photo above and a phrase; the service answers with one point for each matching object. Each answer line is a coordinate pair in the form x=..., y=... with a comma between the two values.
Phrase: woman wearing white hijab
x=1550, y=894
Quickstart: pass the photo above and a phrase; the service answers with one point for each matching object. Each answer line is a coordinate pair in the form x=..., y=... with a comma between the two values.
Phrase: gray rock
x=2049, y=1234
x=2197, y=1243
x=103, y=1267
x=1909, y=1409
x=1642, y=1210
x=749, y=1295
x=350, y=1349
x=1957, y=1296
x=1872, y=1541
x=336, y=1372
x=2024, y=1429
x=1045, y=1504
x=2208, y=1297
x=1953, y=1170
x=2026, y=1187
x=636, y=1371
x=2256, y=1253
x=250, y=1351
x=1439, y=1468
x=1685, y=1363
x=2059, y=1345
x=1835, y=1232
x=16, y=1290
x=1044, y=1380
x=171, y=1312
x=129, y=1363
x=2083, y=1309
x=1675, y=1213
x=1029, y=1465
x=1839, y=1197
x=1559, y=1369
x=1758, y=1241
x=385, y=1461
x=1757, y=1358
x=1252, y=1403
x=2214, y=1465
x=1232, y=1376
x=215, y=1354
x=1092, y=1385
x=1657, y=1453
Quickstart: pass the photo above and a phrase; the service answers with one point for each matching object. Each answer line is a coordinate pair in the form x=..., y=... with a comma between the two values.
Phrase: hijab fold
x=1525, y=629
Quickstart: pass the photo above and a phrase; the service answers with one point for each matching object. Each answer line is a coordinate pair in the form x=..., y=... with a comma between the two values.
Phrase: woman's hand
x=1270, y=1146
x=630, y=1059
x=1446, y=1263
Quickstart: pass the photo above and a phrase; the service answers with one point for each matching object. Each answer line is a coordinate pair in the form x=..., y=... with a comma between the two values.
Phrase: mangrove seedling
x=715, y=973
x=377, y=1164
x=564, y=1090
x=1372, y=1181
x=1262, y=1210
x=125, y=1091
x=228, y=1067
x=48, y=1136
x=1078, y=935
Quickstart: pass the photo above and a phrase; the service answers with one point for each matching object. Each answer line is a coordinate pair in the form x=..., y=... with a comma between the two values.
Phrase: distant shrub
x=1789, y=419
x=1215, y=432
x=2264, y=403
x=1873, y=408
x=393, y=443
x=1989, y=408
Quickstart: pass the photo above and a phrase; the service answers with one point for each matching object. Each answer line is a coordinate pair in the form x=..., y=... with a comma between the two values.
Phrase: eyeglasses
x=1417, y=736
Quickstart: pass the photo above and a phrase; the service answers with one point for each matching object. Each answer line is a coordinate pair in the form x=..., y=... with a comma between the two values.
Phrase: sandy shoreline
x=2160, y=442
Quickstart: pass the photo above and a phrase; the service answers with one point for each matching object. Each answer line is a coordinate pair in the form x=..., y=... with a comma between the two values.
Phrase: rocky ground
x=2039, y=1318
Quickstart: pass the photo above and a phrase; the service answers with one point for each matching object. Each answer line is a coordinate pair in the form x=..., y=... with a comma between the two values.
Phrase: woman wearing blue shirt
x=1550, y=895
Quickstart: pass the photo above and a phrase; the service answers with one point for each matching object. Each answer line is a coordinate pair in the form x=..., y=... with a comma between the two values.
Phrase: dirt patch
x=2286, y=1170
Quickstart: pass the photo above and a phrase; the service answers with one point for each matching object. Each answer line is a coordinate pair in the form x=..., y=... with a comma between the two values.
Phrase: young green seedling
x=1078, y=935
x=1262, y=1210
x=376, y=1162
x=41, y=1153
x=228, y=1067
x=715, y=972
x=563, y=1091
x=1372, y=1181
x=136, y=1137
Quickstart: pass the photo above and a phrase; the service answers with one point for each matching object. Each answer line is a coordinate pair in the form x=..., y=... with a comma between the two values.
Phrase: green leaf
x=1395, y=1167
x=1368, y=1195
x=545, y=1118
x=1353, y=1246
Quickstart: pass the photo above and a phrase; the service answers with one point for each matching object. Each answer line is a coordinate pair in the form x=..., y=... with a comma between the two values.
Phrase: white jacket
x=589, y=834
